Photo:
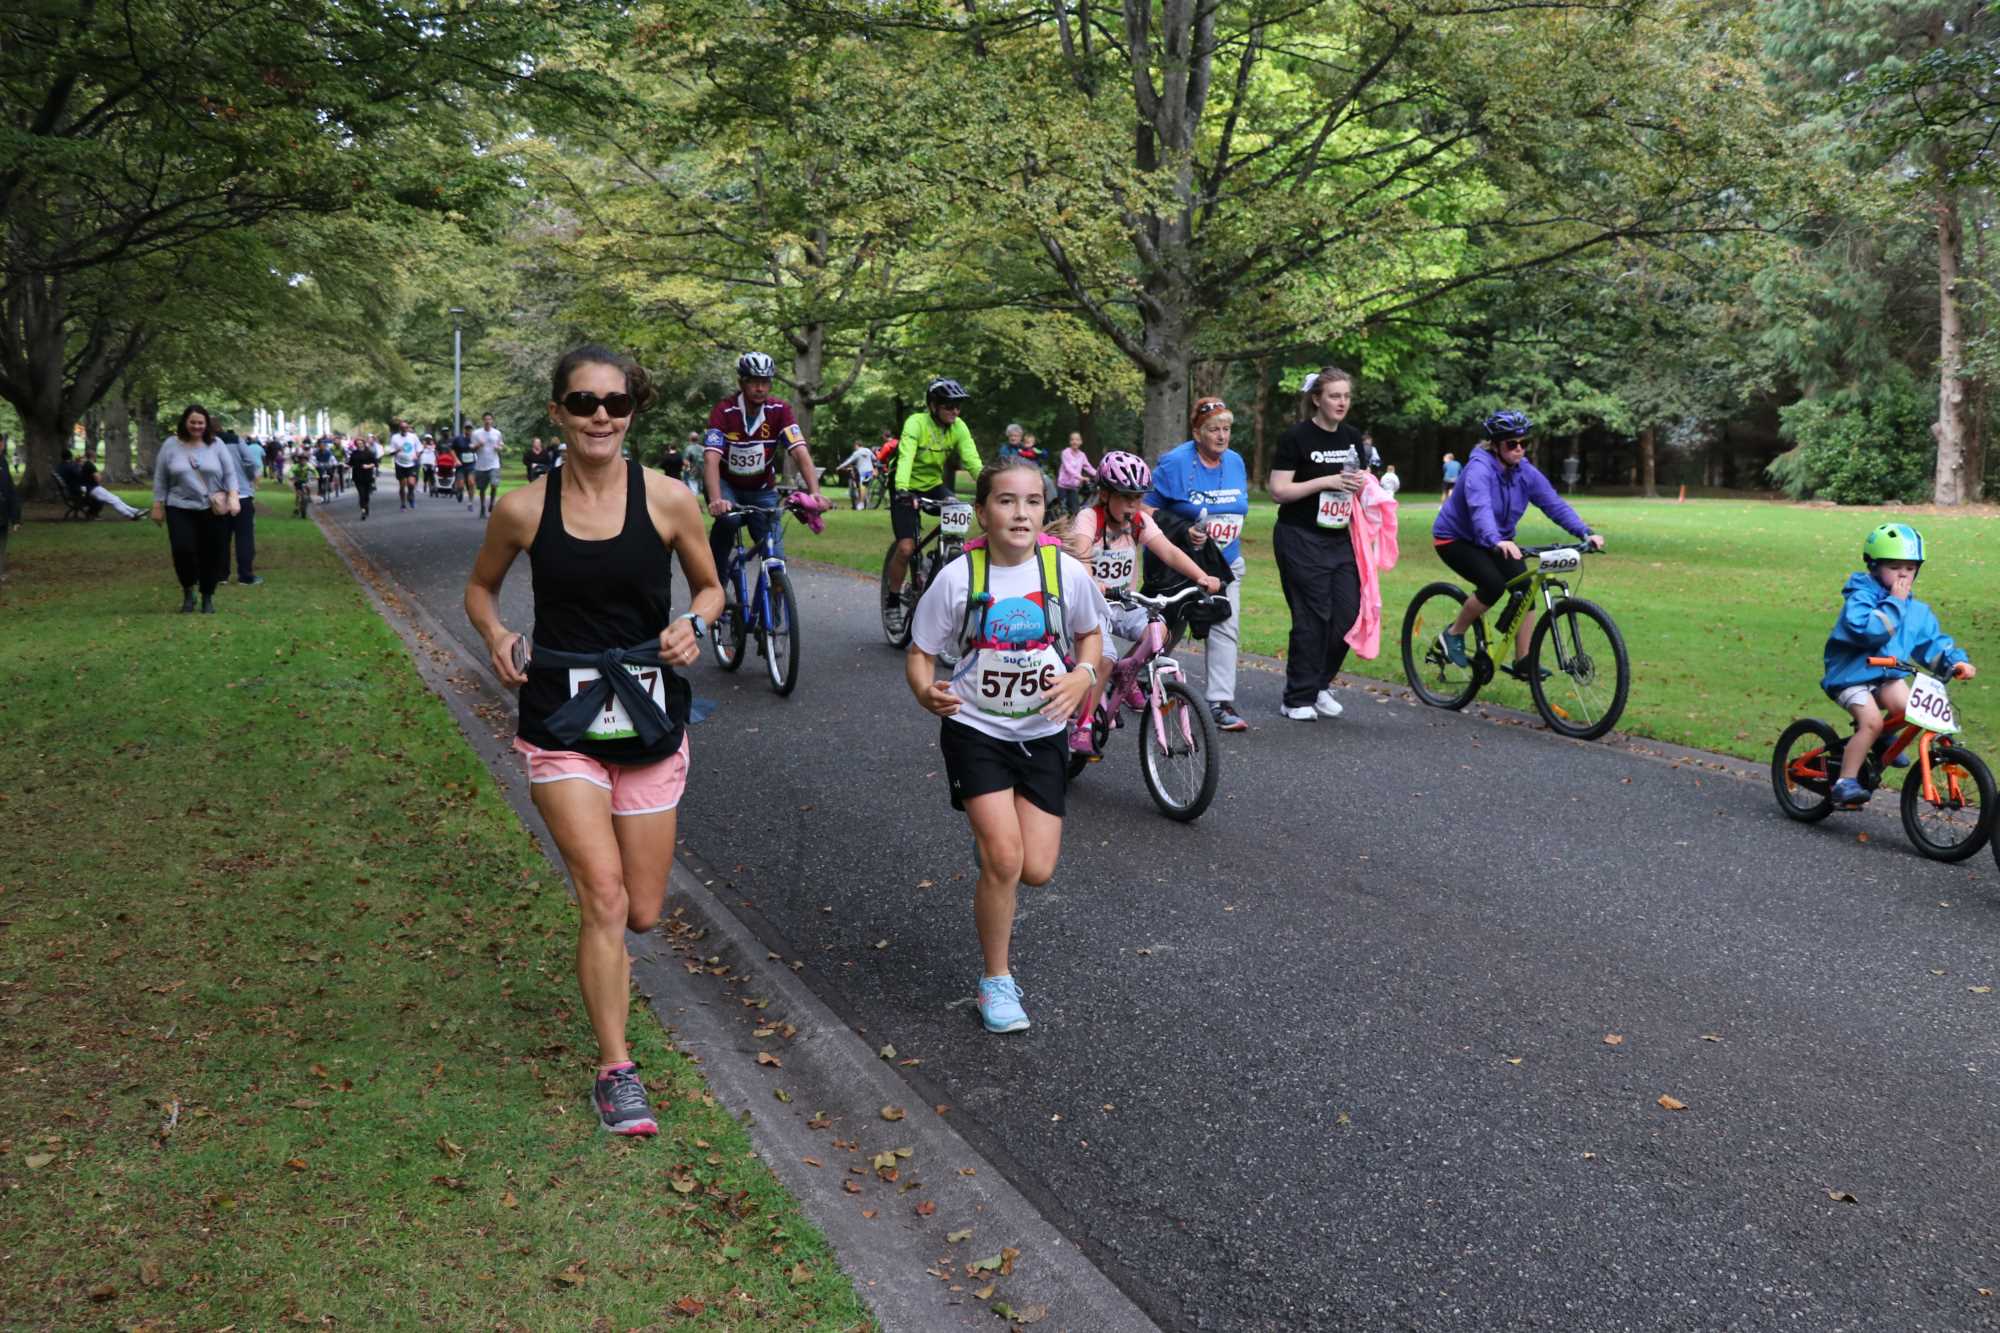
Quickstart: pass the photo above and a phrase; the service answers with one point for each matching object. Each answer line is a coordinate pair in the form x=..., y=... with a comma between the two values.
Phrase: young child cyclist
x=1007, y=607
x=1107, y=537
x=1881, y=619
x=302, y=477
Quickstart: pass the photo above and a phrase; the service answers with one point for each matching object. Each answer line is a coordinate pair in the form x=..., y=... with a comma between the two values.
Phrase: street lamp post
x=457, y=362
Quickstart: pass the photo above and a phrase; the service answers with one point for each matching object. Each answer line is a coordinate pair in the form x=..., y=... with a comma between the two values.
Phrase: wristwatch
x=700, y=625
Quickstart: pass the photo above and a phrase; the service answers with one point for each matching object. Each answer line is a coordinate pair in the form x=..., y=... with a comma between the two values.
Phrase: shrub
x=1859, y=446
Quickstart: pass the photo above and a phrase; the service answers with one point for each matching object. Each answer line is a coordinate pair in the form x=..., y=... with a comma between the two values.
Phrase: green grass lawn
x=1724, y=604
x=291, y=1033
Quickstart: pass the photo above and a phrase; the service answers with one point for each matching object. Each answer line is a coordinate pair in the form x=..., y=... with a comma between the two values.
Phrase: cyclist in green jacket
x=930, y=438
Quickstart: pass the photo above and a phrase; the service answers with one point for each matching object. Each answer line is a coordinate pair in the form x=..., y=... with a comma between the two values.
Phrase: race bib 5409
x=612, y=722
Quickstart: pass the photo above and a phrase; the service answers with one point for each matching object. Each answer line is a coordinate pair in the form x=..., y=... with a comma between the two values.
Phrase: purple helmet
x=1125, y=473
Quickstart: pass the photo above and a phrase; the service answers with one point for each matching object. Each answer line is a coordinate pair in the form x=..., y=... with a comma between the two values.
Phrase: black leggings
x=1323, y=589
x=199, y=539
x=1488, y=572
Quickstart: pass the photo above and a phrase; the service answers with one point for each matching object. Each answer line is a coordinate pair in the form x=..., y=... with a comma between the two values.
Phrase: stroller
x=444, y=477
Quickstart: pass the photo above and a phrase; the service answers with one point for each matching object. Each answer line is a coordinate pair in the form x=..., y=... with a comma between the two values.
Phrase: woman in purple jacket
x=1474, y=532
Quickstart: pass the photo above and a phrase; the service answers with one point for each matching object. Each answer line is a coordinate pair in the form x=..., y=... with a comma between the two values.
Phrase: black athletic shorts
x=905, y=519
x=977, y=764
x=1488, y=572
x=405, y=473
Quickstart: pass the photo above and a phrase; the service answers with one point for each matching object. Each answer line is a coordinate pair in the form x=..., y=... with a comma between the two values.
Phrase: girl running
x=603, y=715
x=1019, y=610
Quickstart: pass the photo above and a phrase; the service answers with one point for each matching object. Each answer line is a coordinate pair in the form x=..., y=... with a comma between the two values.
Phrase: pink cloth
x=1373, y=528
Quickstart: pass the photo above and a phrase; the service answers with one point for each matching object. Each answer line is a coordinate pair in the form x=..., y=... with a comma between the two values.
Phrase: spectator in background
x=1012, y=444
x=196, y=489
x=93, y=486
x=243, y=525
x=1390, y=481
x=70, y=473
x=274, y=459
x=1451, y=470
x=10, y=506
x=1374, y=456
x=537, y=459
x=1072, y=471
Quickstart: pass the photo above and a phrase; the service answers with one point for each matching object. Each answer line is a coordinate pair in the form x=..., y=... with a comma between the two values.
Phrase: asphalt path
x=1339, y=1054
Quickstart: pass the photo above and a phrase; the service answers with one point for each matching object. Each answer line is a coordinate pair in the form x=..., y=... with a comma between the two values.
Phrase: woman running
x=1019, y=610
x=603, y=715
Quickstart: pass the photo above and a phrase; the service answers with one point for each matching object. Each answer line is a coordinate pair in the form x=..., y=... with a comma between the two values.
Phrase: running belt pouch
x=569, y=723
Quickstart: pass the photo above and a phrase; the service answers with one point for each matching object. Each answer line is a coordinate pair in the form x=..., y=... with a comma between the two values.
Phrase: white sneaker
x=1326, y=705
x=1302, y=713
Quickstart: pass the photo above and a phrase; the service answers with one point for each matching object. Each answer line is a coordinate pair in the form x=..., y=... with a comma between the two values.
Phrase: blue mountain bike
x=768, y=610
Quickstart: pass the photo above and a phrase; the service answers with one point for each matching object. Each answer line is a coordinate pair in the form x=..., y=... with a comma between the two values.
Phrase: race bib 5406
x=1929, y=707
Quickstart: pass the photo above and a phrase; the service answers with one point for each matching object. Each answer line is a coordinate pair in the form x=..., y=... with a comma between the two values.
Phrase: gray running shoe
x=621, y=1102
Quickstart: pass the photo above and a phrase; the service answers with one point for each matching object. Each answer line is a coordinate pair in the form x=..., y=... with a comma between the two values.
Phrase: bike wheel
x=1578, y=671
x=1803, y=765
x=781, y=635
x=1959, y=822
x=896, y=617
x=1182, y=773
x=726, y=635
x=1430, y=672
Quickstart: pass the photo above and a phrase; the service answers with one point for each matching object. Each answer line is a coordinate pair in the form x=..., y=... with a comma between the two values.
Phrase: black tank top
x=590, y=596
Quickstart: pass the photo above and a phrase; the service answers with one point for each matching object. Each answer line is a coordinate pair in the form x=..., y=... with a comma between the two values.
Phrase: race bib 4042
x=1011, y=682
x=612, y=722
x=1334, y=508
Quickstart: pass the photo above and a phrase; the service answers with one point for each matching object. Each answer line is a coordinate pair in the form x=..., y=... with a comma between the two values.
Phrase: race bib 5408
x=612, y=722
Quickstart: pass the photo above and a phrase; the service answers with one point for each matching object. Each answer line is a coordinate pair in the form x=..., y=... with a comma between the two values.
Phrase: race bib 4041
x=1224, y=528
x=612, y=722
x=1011, y=682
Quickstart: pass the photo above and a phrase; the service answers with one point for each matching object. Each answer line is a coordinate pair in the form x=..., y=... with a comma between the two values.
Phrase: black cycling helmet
x=1507, y=425
x=754, y=366
x=946, y=391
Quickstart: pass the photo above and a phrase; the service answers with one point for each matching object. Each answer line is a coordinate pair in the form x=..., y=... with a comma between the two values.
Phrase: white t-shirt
x=486, y=449
x=1000, y=689
x=406, y=447
x=429, y=455
x=861, y=461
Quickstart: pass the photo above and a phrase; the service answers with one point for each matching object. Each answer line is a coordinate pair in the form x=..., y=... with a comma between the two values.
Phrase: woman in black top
x=1319, y=466
x=366, y=465
x=608, y=763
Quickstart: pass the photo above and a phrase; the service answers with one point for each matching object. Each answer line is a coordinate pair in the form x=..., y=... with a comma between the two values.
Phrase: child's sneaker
x=1454, y=648
x=1080, y=739
x=621, y=1102
x=1849, y=795
x=1000, y=1005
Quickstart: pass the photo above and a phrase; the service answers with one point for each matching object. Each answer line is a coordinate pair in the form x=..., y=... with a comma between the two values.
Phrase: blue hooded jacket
x=1490, y=498
x=1874, y=624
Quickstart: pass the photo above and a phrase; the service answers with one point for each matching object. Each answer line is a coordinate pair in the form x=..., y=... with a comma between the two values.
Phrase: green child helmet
x=1894, y=541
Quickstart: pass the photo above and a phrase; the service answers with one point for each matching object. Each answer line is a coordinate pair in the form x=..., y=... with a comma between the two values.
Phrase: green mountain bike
x=1576, y=667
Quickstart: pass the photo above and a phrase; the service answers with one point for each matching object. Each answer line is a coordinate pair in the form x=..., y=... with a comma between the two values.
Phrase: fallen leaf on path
x=769, y=1060
x=800, y=1273
x=573, y=1276
x=881, y=944
x=296, y=1163
x=149, y=1272
x=103, y=1291
x=1710, y=1036
x=985, y=1293
x=689, y=1306
x=957, y=1236
x=851, y=1186
x=507, y=1200
x=1671, y=1103
x=1980, y=990
x=812, y=1161
x=449, y=1149
x=1031, y=1314
x=781, y=1094
x=1861, y=837
x=820, y=1120
x=926, y=1208
x=1841, y=1196
x=887, y=1052
x=868, y=1213
x=683, y=1184
x=892, y=1113
x=1514, y=1059
x=37, y=1160
x=1613, y=1039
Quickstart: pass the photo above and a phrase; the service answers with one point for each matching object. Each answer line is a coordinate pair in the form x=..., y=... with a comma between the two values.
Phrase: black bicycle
x=935, y=549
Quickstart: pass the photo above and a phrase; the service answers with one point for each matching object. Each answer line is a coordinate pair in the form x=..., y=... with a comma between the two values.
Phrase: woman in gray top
x=197, y=492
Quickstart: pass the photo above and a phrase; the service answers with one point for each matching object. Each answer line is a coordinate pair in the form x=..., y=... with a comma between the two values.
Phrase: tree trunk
x=1648, y=463
x=93, y=436
x=145, y=406
x=118, y=439
x=1260, y=422
x=808, y=362
x=1959, y=469
x=48, y=443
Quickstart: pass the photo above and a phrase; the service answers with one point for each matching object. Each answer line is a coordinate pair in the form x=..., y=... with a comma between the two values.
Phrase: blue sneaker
x=1454, y=648
x=1000, y=1005
x=1849, y=795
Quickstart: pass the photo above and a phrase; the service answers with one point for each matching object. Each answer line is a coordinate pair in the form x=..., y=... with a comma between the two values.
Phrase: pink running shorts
x=646, y=789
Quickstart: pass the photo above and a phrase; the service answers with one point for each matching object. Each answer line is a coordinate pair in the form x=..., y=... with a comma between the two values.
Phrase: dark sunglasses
x=580, y=404
x=1514, y=444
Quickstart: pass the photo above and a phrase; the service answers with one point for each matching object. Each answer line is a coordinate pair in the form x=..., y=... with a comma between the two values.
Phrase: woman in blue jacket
x=1474, y=532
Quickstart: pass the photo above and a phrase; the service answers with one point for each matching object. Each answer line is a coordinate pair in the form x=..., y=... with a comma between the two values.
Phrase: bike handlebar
x=1582, y=547
x=1128, y=598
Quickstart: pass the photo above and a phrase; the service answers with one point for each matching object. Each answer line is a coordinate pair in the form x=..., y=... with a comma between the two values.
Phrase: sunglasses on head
x=580, y=404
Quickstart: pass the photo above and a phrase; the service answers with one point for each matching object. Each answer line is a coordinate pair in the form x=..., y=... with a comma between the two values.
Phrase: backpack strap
x=979, y=595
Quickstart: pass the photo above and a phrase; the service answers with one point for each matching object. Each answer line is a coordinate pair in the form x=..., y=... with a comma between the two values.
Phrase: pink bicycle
x=1177, y=754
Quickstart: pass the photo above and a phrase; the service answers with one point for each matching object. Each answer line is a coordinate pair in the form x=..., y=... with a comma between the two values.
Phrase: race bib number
x=1010, y=682
x=612, y=722
x=1113, y=569
x=1929, y=707
x=744, y=460
x=955, y=520
x=1335, y=507
x=1225, y=528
